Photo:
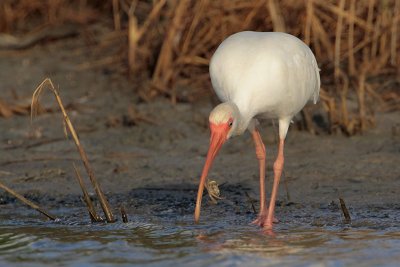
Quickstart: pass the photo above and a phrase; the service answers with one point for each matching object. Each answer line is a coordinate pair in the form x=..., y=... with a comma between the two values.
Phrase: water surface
x=172, y=240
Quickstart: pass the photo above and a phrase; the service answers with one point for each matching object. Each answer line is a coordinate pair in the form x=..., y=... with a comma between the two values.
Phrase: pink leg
x=278, y=167
x=260, y=153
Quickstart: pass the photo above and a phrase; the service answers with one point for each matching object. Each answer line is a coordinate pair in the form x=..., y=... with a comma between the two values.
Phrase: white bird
x=259, y=75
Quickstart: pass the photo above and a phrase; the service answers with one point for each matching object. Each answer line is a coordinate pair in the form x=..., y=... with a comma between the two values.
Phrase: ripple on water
x=225, y=241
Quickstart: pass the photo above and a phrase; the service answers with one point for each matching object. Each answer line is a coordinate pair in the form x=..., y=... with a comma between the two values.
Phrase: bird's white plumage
x=265, y=74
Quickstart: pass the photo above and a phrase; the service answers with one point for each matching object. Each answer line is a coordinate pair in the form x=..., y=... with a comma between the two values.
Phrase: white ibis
x=259, y=75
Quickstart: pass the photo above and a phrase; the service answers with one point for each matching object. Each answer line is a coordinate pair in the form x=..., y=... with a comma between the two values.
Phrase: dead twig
x=47, y=83
x=27, y=202
x=123, y=214
x=285, y=183
x=92, y=211
x=346, y=214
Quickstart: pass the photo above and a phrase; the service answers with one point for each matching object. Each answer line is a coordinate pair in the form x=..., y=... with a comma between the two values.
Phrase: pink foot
x=263, y=221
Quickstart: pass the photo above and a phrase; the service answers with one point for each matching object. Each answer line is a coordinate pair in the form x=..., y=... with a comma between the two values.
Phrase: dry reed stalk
x=286, y=185
x=328, y=104
x=276, y=16
x=372, y=92
x=7, y=16
x=351, y=67
x=82, y=6
x=92, y=211
x=363, y=45
x=340, y=12
x=346, y=214
x=307, y=123
x=27, y=202
x=361, y=99
x=133, y=39
x=252, y=14
x=322, y=36
x=5, y=110
x=338, y=35
x=375, y=34
x=343, y=96
x=20, y=107
x=309, y=19
x=154, y=14
x=367, y=33
x=136, y=32
x=163, y=71
x=193, y=60
x=394, y=32
x=198, y=11
x=203, y=36
x=47, y=83
x=29, y=14
x=124, y=215
x=117, y=15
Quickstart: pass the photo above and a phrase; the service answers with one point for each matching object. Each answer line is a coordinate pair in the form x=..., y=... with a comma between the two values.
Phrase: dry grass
x=47, y=83
x=25, y=15
x=27, y=202
x=169, y=44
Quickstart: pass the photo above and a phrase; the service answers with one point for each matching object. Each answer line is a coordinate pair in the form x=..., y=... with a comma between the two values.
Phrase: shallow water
x=170, y=239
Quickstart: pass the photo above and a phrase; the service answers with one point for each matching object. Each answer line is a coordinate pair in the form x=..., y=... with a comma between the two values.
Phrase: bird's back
x=265, y=73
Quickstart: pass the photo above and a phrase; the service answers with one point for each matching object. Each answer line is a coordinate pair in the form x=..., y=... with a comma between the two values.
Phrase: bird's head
x=223, y=124
x=224, y=120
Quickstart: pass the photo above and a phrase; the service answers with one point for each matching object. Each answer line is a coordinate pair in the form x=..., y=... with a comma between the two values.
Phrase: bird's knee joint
x=278, y=165
x=260, y=153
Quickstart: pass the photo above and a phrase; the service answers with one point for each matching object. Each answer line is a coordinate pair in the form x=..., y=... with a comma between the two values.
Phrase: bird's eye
x=230, y=123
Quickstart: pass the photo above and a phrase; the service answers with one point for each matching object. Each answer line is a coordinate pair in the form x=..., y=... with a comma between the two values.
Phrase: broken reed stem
x=135, y=33
x=285, y=183
x=123, y=214
x=163, y=72
x=199, y=9
x=346, y=214
x=367, y=33
x=116, y=15
x=309, y=19
x=339, y=27
x=92, y=211
x=394, y=30
x=343, y=96
x=155, y=12
x=361, y=100
x=27, y=202
x=103, y=201
x=133, y=39
x=276, y=16
x=351, y=67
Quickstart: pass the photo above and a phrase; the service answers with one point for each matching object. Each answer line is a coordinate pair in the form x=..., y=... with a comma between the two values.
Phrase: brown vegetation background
x=164, y=46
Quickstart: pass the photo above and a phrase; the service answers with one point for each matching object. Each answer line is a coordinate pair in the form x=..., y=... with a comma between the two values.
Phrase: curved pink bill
x=218, y=137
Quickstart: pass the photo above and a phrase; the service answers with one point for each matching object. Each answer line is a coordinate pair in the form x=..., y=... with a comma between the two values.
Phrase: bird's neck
x=242, y=118
x=243, y=124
